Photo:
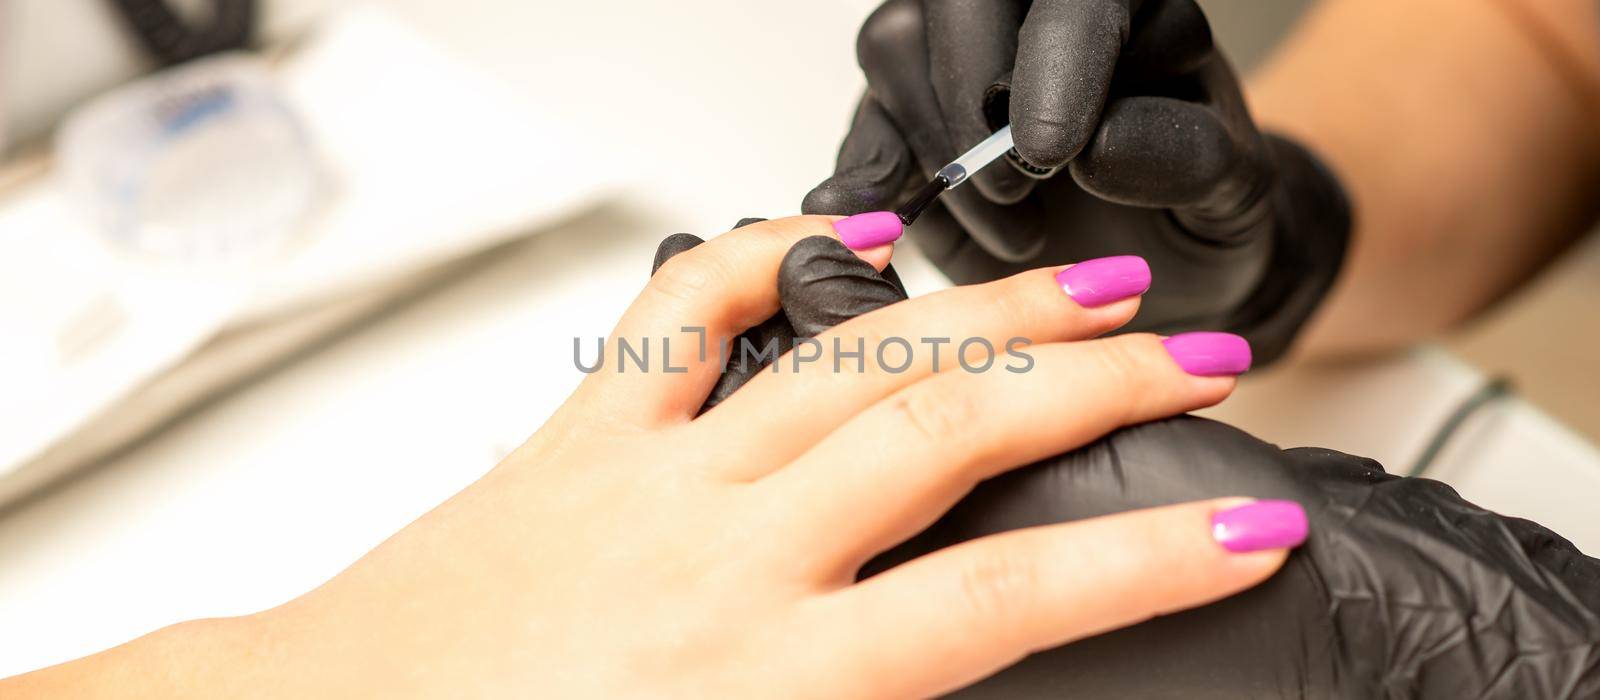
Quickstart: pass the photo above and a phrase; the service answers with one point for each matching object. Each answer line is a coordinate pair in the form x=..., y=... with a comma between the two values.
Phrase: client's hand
x=637, y=547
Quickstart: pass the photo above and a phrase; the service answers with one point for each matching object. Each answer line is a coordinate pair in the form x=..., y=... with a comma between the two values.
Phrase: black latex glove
x=1244, y=231
x=820, y=283
x=172, y=40
x=1403, y=589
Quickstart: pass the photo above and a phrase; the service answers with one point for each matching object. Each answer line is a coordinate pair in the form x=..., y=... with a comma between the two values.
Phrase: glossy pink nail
x=1260, y=525
x=1210, y=354
x=1104, y=280
x=869, y=230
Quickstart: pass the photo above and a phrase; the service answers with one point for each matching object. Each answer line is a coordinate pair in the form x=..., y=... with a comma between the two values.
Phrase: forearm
x=1466, y=140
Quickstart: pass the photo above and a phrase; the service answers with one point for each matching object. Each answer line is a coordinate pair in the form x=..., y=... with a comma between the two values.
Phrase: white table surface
x=723, y=109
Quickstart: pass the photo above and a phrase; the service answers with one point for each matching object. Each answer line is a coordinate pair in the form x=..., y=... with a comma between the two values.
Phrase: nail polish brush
x=957, y=172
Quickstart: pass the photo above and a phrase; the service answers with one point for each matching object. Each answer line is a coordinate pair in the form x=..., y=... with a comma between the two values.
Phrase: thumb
x=874, y=171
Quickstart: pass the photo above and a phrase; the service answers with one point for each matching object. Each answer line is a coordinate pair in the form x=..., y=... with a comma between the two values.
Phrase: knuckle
x=1016, y=301
x=1047, y=144
x=685, y=279
x=863, y=333
x=1119, y=361
x=999, y=585
x=1124, y=371
x=846, y=347
x=938, y=415
x=872, y=336
x=782, y=234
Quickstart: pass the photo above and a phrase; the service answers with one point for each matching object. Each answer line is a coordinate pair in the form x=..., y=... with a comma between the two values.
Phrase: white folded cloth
x=433, y=164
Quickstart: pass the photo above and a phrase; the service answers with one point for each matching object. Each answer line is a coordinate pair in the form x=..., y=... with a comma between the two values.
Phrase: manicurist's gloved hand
x=1403, y=590
x=1141, y=121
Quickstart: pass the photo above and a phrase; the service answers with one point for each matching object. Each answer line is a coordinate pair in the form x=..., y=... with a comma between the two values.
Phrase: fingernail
x=1209, y=354
x=1103, y=280
x=1260, y=525
x=869, y=230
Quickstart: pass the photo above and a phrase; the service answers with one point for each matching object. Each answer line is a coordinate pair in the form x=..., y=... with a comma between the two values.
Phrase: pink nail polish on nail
x=1253, y=527
x=1210, y=354
x=869, y=230
x=1102, y=281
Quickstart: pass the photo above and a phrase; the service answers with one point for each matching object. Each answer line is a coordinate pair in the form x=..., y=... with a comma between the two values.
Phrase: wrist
x=219, y=657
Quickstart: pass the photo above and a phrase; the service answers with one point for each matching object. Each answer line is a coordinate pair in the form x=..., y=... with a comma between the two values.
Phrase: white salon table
x=720, y=110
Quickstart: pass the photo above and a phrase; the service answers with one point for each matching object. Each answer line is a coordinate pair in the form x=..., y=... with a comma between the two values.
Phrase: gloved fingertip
x=747, y=221
x=822, y=284
x=888, y=33
x=846, y=195
x=671, y=246
x=1156, y=152
x=1047, y=145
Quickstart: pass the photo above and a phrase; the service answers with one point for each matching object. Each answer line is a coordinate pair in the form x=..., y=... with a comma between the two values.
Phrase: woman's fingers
x=893, y=469
x=856, y=364
x=666, y=353
x=950, y=618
